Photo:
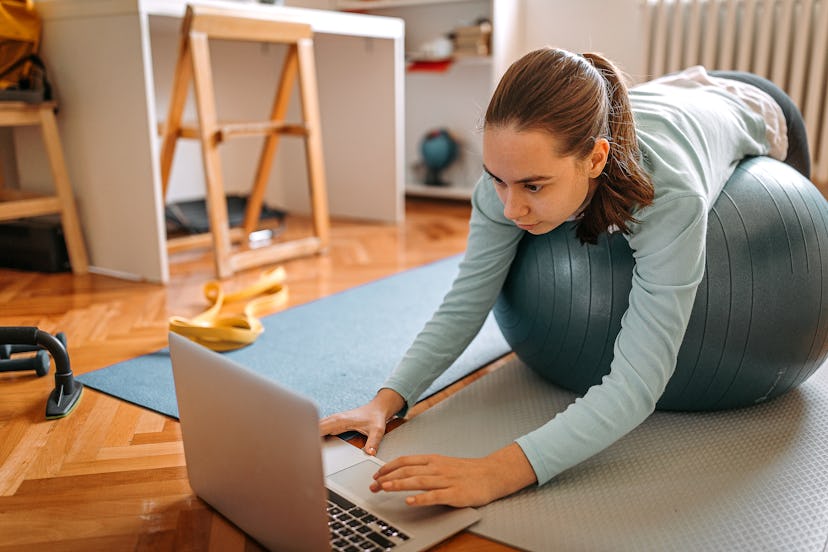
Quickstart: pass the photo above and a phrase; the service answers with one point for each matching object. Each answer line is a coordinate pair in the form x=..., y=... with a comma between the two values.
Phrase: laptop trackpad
x=355, y=481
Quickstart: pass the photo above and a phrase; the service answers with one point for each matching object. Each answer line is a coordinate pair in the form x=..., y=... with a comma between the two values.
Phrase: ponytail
x=579, y=99
x=623, y=184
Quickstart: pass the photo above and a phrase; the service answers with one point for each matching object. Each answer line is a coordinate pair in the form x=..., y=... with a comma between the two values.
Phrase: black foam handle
x=19, y=335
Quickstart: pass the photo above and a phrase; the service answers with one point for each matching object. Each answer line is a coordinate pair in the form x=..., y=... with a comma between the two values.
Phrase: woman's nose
x=513, y=206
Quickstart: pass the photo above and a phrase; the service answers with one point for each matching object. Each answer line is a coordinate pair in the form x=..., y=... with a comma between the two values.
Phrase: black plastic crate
x=35, y=244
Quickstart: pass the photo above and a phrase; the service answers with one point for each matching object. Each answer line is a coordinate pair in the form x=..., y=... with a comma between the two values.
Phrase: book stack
x=473, y=40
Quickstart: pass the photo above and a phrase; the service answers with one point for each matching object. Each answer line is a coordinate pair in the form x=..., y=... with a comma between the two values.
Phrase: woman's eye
x=532, y=188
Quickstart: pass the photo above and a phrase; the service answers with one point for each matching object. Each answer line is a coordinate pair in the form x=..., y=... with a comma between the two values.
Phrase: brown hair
x=579, y=99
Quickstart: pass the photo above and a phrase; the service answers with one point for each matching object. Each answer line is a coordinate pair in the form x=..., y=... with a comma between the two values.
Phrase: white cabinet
x=454, y=99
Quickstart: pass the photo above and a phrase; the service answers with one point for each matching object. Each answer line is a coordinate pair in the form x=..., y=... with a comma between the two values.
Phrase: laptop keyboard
x=355, y=530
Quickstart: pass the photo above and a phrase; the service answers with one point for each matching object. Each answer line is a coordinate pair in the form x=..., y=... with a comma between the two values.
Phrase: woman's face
x=539, y=188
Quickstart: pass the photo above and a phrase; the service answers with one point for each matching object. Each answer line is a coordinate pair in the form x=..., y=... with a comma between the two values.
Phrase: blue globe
x=439, y=150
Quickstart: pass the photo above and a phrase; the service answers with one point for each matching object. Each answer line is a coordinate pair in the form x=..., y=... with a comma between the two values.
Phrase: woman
x=564, y=139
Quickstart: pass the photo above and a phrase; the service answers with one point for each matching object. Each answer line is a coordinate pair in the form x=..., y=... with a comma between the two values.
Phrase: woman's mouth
x=525, y=226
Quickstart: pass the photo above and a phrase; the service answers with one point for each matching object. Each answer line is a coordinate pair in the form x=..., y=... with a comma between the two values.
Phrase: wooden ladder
x=201, y=24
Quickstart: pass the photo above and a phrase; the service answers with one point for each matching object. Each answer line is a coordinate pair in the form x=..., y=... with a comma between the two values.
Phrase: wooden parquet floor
x=111, y=475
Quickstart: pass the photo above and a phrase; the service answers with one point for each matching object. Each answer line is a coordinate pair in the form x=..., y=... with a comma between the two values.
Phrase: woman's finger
x=333, y=425
x=404, y=472
x=437, y=496
x=402, y=461
x=373, y=440
x=427, y=482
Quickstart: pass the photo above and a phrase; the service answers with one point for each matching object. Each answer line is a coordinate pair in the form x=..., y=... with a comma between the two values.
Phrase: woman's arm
x=491, y=246
x=691, y=139
x=669, y=248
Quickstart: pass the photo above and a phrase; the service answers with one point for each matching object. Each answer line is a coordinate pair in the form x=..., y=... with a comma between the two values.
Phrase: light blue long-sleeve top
x=691, y=140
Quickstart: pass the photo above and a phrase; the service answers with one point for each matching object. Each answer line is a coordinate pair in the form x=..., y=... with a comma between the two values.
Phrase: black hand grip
x=58, y=352
x=19, y=335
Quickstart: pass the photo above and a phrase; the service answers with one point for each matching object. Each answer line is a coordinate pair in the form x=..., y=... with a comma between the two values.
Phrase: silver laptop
x=253, y=452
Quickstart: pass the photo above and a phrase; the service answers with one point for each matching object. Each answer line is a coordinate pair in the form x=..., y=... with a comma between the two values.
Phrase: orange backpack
x=22, y=72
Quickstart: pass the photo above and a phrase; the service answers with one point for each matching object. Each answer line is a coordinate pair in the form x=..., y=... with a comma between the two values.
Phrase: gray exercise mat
x=750, y=479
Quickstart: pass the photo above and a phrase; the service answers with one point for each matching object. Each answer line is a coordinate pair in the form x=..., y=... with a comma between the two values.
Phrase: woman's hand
x=457, y=482
x=369, y=419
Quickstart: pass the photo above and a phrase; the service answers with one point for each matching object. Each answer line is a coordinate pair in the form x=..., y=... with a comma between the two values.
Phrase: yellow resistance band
x=225, y=333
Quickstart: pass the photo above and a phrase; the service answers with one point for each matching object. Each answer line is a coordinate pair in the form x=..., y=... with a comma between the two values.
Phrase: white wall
x=613, y=28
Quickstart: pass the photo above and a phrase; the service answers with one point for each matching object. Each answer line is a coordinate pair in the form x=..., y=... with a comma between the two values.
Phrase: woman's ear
x=598, y=157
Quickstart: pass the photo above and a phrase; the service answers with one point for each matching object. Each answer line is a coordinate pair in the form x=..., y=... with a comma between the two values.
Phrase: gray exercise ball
x=759, y=324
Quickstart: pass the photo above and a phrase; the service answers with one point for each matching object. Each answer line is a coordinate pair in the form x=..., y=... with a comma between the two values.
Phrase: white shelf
x=461, y=60
x=384, y=4
x=439, y=192
x=449, y=98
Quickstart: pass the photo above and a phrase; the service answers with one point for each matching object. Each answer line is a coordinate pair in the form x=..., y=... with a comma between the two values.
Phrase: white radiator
x=785, y=41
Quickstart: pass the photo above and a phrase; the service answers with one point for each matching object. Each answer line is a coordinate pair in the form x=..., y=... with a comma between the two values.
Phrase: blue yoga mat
x=337, y=350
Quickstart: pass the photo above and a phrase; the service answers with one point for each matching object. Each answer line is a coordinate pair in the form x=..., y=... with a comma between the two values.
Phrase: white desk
x=112, y=62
